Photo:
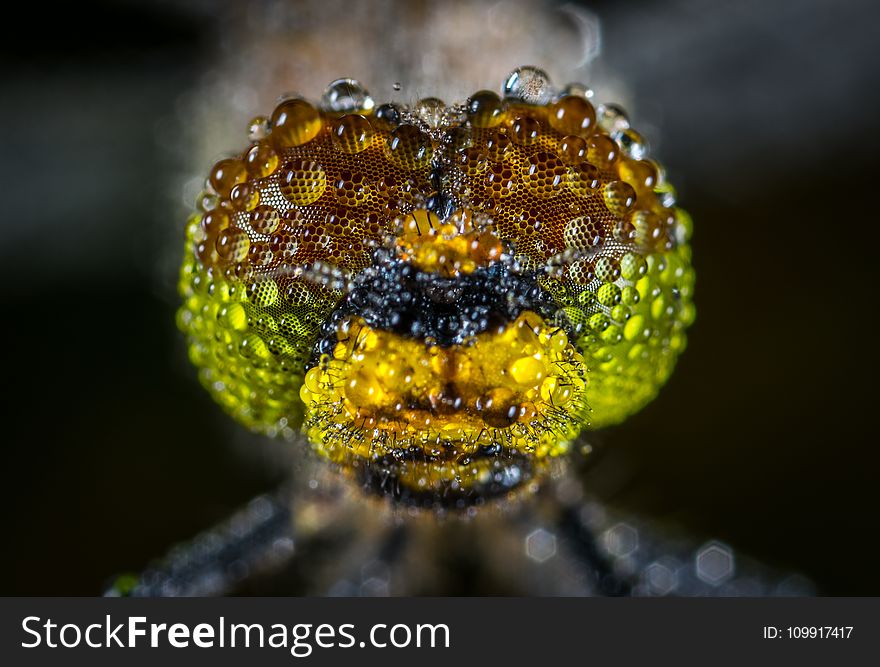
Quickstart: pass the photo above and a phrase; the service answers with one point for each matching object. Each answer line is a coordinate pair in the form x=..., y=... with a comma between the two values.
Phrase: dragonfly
x=442, y=300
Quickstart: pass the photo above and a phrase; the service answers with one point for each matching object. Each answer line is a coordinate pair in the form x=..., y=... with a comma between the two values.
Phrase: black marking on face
x=395, y=296
x=509, y=472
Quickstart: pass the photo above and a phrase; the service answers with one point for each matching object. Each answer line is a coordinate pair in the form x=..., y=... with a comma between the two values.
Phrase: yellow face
x=442, y=301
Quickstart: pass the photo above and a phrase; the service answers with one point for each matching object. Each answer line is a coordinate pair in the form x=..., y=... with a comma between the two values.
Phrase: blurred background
x=763, y=112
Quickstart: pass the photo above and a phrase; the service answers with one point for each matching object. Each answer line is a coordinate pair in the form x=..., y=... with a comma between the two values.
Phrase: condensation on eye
x=441, y=295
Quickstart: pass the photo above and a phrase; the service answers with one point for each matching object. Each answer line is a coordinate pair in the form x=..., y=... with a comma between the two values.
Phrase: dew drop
x=232, y=244
x=573, y=115
x=303, y=182
x=346, y=96
x=431, y=110
x=258, y=128
x=612, y=118
x=226, y=174
x=619, y=197
x=261, y=160
x=408, y=147
x=264, y=219
x=294, y=123
x=484, y=109
x=632, y=144
x=530, y=85
x=352, y=133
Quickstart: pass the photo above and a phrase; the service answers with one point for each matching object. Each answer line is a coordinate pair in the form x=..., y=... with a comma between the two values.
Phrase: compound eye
x=442, y=295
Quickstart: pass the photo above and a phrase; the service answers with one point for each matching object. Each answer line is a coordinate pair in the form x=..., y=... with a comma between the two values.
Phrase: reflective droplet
x=602, y=151
x=632, y=144
x=544, y=174
x=530, y=85
x=207, y=201
x=226, y=174
x=612, y=118
x=607, y=269
x=527, y=371
x=431, y=110
x=213, y=222
x=258, y=128
x=572, y=115
x=232, y=244
x=386, y=116
x=409, y=147
x=633, y=266
x=244, y=197
x=584, y=179
x=579, y=89
x=261, y=160
x=346, y=96
x=524, y=130
x=619, y=197
x=294, y=123
x=352, y=133
x=302, y=182
x=572, y=150
x=583, y=233
x=351, y=188
x=641, y=174
x=499, y=180
x=473, y=161
x=264, y=219
x=649, y=228
x=497, y=145
x=484, y=109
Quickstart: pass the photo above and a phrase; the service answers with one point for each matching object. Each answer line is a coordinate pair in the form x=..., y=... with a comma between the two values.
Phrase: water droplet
x=225, y=174
x=527, y=371
x=213, y=222
x=612, y=118
x=524, y=130
x=294, y=123
x=258, y=128
x=530, y=85
x=244, y=197
x=352, y=134
x=619, y=197
x=572, y=150
x=207, y=201
x=578, y=89
x=497, y=145
x=602, y=151
x=303, y=182
x=409, y=147
x=632, y=144
x=573, y=115
x=583, y=233
x=544, y=174
x=232, y=244
x=346, y=96
x=500, y=181
x=484, y=109
x=584, y=179
x=387, y=116
x=431, y=110
x=641, y=174
x=261, y=160
x=264, y=219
